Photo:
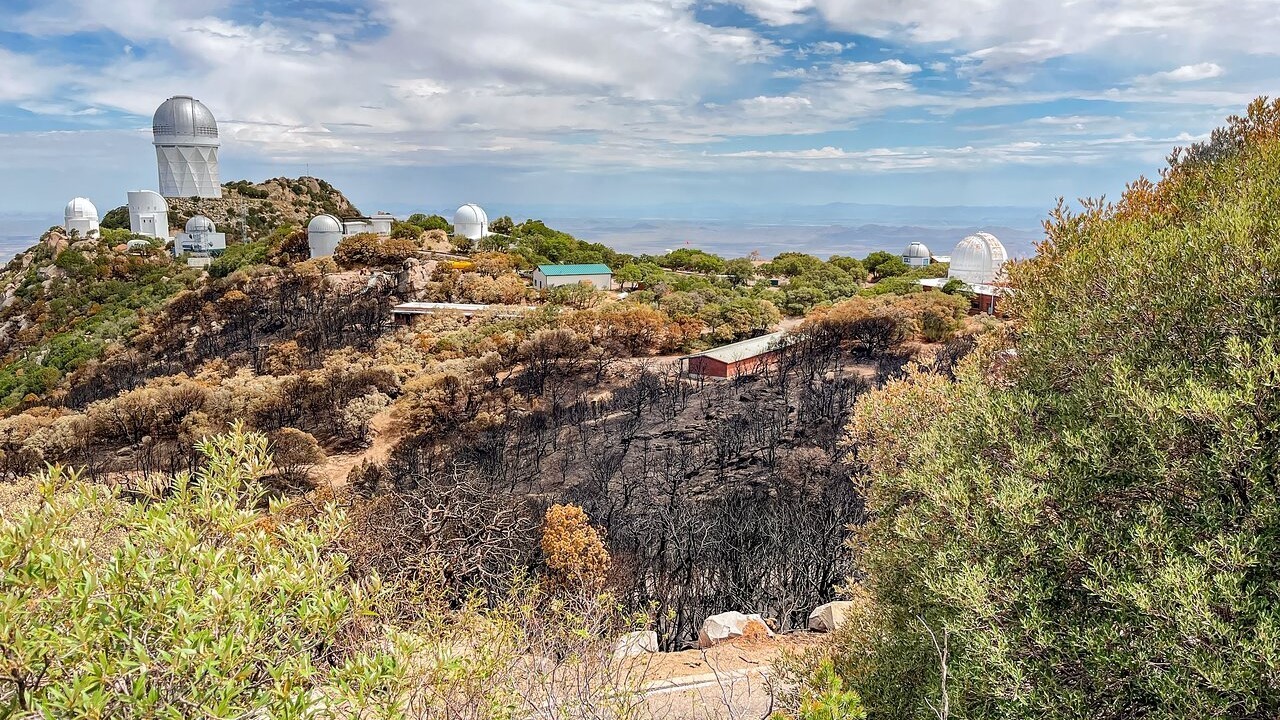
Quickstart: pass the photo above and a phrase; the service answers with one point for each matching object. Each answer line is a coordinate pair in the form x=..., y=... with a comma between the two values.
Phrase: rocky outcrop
x=636, y=643
x=829, y=617
x=730, y=626
x=263, y=207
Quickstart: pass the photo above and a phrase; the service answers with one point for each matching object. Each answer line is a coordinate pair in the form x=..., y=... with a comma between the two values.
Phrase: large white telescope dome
x=979, y=259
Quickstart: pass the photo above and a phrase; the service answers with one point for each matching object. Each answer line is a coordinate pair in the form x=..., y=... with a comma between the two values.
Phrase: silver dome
x=183, y=116
x=199, y=224
x=979, y=259
x=917, y=250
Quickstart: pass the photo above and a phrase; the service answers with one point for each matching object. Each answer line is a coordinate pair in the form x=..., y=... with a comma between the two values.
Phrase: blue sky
x=626, y=105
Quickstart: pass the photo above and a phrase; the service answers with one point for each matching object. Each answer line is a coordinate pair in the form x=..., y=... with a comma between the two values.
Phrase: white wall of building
x=148, y=214
x=600, y=281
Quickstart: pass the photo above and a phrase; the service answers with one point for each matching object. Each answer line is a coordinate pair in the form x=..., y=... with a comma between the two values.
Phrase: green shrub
x=824, y=697
x=1089, y=512
x=239, y=256
x=185, y=603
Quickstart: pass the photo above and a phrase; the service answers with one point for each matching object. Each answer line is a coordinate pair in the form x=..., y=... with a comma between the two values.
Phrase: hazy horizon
x=725, y=229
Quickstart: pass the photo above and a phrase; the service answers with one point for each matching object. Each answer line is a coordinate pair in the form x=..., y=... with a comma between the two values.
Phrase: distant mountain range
x=726, y=229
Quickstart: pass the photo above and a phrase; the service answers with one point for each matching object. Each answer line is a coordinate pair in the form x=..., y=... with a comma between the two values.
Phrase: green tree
x=1089, y=512
x=892, y=267
x=503, y=225
x=956, y=286
x=430, y=222
x=852, y=266
x=628, y=274
x=116, y=219
x=741, y=271
x=792, y=264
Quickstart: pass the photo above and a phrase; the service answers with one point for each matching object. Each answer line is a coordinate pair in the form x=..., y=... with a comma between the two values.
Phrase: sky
x=626, y=107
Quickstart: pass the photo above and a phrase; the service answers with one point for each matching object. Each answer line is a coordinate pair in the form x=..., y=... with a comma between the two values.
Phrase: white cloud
x=581, y=84
x=1185, y=73
x=23, y=78
x=1012, y=30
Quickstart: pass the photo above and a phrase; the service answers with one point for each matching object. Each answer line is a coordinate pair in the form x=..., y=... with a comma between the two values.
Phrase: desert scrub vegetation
x=196, y=598
x=181, y=600
x=1082, y=519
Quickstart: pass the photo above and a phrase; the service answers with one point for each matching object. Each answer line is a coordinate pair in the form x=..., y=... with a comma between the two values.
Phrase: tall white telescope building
x=186, y=139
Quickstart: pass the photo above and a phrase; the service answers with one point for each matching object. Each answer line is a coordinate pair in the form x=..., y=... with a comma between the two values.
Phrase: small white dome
x=323, y=224
x=917, y=250
x=199, y=224
x=979, y=259
x=471, y=221
x=81, y=209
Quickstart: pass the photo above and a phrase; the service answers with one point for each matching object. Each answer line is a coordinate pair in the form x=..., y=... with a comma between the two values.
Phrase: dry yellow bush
x=575, y=554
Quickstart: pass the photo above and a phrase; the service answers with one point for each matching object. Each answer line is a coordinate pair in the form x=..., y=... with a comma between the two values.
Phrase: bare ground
x=383, y=434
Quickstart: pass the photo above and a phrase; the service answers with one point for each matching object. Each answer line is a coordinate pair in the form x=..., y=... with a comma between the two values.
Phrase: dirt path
x=728, y=681
x=382, y=431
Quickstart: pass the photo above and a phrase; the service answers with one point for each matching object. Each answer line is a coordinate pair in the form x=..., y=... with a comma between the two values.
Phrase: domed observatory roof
x=81, y=216
x=324, y=232
x=471, y=222
x=324, y=223
x=182, y=116
x=979, y=259
x=80, y=209
x=185, y=136
x=917, y=255
x=199, y=224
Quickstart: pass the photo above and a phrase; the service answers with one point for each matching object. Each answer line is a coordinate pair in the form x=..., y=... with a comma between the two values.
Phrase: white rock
x=731, y=626
x=636, y=643
x=829, y=617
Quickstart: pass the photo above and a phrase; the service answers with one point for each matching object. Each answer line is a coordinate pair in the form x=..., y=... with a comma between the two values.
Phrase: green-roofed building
x=595, y=274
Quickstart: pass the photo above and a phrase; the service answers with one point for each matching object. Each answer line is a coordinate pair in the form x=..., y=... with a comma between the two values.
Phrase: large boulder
x=829, y=617
x=636, y=643
x=731, y=626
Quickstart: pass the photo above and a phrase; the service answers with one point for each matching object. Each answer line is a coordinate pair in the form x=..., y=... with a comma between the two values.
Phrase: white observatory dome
x=183, y=115
x=199, y=225
x=81, y=216
x=917, y=255
x=471, y=222
x=324, y=232
x=324, y=223
x=978, y=259
x=81, y=209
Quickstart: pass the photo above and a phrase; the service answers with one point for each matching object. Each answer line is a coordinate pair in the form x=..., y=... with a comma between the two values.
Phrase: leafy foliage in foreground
x=1091, y=527
x=186, y=603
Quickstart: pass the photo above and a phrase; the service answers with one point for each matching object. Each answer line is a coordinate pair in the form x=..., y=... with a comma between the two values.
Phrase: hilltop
x=448, y=441
x=264, y=206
